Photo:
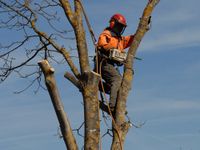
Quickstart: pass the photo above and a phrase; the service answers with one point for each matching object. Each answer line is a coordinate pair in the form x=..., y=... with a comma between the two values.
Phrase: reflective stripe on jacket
x=108, y=40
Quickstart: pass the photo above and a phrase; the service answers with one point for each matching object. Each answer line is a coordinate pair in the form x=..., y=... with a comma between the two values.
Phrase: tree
x=29, y=19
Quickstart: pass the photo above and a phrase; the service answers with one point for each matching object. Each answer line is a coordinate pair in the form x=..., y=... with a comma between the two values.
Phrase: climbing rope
x=109, y=110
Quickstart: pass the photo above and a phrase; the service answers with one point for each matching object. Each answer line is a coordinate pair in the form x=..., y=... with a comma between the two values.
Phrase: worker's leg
x=112, y=76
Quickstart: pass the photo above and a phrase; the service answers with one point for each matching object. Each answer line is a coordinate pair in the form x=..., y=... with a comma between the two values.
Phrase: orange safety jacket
x=109, y=40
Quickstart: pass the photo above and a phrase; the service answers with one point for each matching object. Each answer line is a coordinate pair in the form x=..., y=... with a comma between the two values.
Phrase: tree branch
x=66, y=130
x=69, y=12
x=73, y=80
x=62, y=50
x=78, y=28
x=128, y=76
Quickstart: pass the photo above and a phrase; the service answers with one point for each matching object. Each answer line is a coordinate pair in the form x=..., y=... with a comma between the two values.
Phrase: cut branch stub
x=66, y=130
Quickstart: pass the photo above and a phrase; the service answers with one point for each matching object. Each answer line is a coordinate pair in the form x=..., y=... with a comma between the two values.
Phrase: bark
x=75, y=18
x=81, y=39
x=66, y=130
x=89, y=88
x=88, y=80
x=122, y=127
x=91, y=110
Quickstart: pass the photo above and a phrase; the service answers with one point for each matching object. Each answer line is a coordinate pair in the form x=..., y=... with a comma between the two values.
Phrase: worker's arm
x=128, y=41
x=105, y=41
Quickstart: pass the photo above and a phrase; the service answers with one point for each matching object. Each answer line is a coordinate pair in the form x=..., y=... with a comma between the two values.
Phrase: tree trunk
x=65, y=127
x=90, y=82
x=121, y=127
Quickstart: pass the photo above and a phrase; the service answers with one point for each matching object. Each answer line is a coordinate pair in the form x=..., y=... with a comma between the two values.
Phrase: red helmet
x=119, y=18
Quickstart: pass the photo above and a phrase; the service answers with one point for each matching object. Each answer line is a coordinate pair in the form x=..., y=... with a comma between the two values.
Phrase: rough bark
x=65, y=127
x=75, y=18
x=91, y=110
x=122, y=128
x=88, y=86
x=88, y=79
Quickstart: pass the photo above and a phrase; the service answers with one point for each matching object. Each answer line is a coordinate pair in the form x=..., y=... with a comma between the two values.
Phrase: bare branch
x=37, y=79
x=18, y=45
x=73, y=80
x=66, y=130
x=78, y=129
x=68, y=12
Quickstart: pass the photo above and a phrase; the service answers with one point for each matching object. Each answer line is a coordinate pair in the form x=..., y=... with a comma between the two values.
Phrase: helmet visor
x=119, y=28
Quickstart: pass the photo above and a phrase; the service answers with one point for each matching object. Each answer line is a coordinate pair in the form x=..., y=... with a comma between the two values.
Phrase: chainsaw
x=117, y=55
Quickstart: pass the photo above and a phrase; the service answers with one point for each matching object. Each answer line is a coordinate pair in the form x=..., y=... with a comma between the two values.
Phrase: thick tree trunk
x=121, y=127
x=66, y=130
x=90, y=82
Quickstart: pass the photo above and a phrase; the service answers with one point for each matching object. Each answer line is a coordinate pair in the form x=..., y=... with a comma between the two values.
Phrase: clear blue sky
x=165, y=92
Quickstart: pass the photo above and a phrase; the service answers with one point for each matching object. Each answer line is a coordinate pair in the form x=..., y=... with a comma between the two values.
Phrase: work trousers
x=112, y=76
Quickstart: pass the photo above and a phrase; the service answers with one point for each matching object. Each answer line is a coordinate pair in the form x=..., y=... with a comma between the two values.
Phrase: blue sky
x=165, y=92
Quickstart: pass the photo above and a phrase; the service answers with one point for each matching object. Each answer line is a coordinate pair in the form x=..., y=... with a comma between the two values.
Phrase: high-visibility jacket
x=108, y=40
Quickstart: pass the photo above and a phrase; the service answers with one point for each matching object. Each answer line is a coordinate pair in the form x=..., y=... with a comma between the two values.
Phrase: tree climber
x=111, y=39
